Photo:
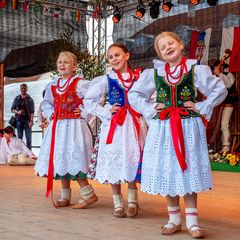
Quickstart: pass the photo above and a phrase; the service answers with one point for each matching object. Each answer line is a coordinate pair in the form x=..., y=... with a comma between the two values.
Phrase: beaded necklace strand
x=65, y=86
x=169, y=73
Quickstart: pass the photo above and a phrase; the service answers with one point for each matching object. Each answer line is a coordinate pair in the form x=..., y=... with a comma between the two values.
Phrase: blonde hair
x=162, y=35
x=70, y=55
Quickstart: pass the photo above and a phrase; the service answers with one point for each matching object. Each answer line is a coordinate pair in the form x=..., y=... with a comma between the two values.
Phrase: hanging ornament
x=56, y=12
x=3, y=3
x=46, y=10
x=78, y=16
x=66, y=14
x=14, y=4
x=73, y=15
x=36, y=7
x=25, y=5
x=96, y=13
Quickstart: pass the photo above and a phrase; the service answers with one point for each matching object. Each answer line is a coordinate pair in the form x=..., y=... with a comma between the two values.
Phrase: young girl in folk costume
x=122, y=130
x=67, y=144
x=175, y=158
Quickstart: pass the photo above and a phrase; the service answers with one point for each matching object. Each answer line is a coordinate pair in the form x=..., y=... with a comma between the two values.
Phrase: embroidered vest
x=184, y=91
x=64, y=104
x=116, y=93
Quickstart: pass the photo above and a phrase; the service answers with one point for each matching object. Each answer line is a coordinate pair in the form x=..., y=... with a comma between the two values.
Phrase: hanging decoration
x=52, y=9
x=66, y=14
x=25, y=5
x=96, y=13
x=78, y=15
x=46, y=10
x=56, y=12
x=36, y=7
x=14, y=4
x=3, y=3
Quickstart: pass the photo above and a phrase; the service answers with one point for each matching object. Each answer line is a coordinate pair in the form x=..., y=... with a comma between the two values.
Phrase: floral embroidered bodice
x=183, y=91
x=64, y=104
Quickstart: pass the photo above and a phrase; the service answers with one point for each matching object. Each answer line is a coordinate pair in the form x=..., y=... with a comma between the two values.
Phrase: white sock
x=118, y=201
x=191, y=218
x=174, y=216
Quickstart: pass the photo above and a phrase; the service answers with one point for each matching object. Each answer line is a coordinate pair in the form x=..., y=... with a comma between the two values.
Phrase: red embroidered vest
x=65, y=103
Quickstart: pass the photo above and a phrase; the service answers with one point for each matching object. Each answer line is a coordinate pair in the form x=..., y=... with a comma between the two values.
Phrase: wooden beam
x=8, y=80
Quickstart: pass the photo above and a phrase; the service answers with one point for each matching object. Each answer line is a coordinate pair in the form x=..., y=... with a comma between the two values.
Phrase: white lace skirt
x=73, y=148
x=118, y=162
x=161, y=172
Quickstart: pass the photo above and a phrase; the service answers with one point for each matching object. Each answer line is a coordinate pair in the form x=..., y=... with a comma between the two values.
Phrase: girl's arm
x=210, y=86
x=93, y=99
x=40, y=115
x=47, y=103
x=140, y=95
x=82, y=89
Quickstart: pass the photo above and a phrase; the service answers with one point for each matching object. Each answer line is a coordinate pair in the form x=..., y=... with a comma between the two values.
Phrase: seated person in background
x=15, y=149
x=228, y=104
x=3, y=157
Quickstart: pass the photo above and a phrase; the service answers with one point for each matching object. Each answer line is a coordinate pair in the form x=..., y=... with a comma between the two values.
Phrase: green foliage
x=88, y=65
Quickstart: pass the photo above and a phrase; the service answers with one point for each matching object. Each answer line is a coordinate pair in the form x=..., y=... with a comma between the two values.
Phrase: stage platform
x=25, y=213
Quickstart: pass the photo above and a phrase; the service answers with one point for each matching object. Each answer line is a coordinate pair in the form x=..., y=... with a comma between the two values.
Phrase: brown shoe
x=198, y=233
x=169, y=231
x=63, y=202
x=119, y=212
x=132, y=211
x=83, y=203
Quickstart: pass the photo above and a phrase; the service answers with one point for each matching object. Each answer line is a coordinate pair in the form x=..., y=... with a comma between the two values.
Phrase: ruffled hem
x=120, y=181
x=175, y=194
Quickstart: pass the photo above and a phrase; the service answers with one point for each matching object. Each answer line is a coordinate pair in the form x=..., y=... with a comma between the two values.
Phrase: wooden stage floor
x=25, y=213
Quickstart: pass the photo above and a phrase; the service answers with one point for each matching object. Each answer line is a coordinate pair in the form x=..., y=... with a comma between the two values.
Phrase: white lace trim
x=161, y=173
x=73, y=148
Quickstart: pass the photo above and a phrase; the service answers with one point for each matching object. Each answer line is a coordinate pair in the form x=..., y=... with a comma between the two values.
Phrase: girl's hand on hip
x=115, y=107
x=159, y=107
x=77, y=112
x=190, y=106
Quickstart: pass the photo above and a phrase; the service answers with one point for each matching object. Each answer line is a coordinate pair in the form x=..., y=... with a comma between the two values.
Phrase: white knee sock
x=174, y=216
x=191, y=218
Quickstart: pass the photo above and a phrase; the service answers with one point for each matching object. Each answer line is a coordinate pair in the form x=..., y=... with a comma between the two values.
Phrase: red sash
x=177, y=132
x=119, y=118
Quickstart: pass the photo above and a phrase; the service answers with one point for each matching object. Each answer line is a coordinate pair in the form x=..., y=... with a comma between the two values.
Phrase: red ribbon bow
x=177, y=132
x=119, y=118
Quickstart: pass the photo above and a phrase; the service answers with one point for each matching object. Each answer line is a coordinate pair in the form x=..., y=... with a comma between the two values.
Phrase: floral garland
x=229, y=158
